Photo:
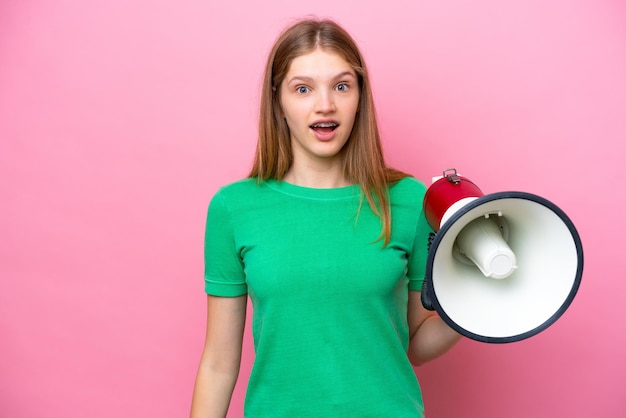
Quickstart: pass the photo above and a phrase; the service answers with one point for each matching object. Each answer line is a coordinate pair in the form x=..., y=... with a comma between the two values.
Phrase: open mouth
x=324, y=127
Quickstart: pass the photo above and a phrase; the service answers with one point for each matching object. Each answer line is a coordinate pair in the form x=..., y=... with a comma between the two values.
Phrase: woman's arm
x=221, y=357
x=429, y=335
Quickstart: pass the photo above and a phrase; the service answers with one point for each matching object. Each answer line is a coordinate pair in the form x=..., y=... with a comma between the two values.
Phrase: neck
x=317, y=177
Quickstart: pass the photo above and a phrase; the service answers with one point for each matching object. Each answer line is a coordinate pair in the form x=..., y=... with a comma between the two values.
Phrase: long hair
x=363, y=157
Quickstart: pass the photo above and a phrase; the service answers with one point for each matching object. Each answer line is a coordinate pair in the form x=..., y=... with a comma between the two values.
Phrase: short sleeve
x=223, y=267
x=419, y=254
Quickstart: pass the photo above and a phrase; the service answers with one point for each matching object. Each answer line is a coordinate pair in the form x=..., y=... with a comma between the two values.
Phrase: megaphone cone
x=501, y=267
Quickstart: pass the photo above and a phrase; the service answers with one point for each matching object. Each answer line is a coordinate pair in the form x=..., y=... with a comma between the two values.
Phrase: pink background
x=119, y=120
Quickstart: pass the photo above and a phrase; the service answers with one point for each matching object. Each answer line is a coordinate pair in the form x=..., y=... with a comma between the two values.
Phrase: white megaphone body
x=501, y=267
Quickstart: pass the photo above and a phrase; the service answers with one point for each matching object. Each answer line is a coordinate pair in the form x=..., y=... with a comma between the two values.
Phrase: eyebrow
x=307, y=79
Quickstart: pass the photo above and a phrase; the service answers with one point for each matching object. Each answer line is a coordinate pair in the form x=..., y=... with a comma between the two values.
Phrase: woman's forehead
x=319, y=64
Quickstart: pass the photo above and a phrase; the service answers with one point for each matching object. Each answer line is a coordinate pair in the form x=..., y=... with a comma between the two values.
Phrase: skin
x=319, y=86
x=221, y=357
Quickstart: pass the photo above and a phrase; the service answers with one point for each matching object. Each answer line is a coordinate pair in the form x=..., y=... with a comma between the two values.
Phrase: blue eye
x=302, y=89
x=342, y=87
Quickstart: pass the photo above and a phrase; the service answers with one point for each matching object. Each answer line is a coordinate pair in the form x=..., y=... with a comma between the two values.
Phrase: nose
x=325, y=102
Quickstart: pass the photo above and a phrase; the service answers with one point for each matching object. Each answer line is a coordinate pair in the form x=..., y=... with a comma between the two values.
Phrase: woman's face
x=319, y=98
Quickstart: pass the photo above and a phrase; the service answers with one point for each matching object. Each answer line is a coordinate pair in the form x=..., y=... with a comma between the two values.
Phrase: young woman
x=329, y=244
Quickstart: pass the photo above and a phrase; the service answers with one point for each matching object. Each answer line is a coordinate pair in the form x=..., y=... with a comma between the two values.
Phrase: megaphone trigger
x=427, y=301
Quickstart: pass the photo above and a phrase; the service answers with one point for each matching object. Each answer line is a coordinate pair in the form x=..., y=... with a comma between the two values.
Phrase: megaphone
x=501, y=267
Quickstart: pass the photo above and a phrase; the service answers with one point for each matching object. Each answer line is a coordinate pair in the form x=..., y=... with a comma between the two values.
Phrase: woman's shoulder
x=239, y=189
x=244, y=185
x=234, y=196
x=407, y=192
x=408, y=185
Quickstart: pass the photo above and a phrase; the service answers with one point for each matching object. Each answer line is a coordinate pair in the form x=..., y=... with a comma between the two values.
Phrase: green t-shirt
x=329, y=301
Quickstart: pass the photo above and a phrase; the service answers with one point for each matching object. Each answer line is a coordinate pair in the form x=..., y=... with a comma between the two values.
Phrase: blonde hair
x=363, y=157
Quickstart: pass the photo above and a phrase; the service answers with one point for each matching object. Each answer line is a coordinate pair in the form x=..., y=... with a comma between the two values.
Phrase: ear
x=278, y=110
